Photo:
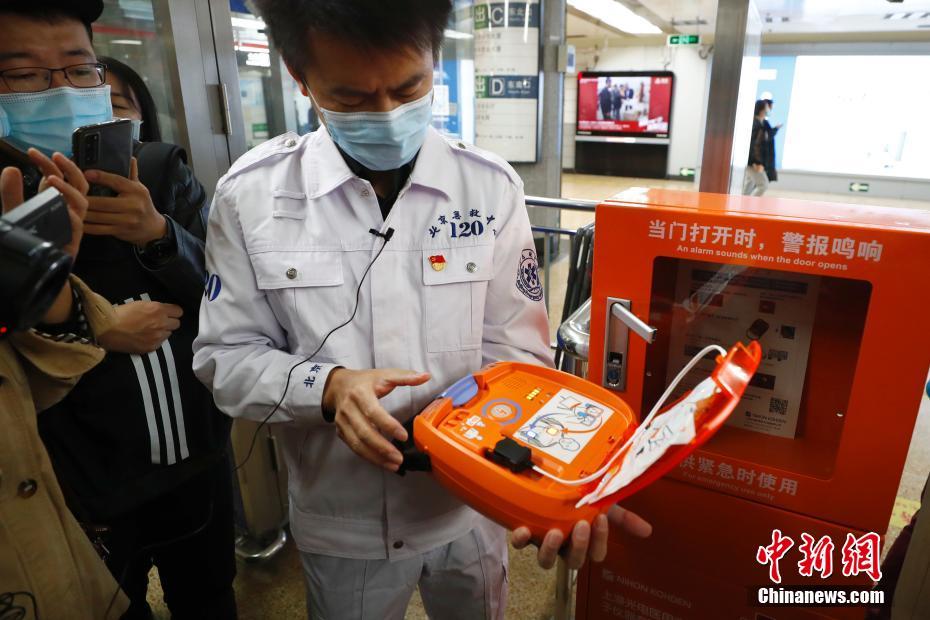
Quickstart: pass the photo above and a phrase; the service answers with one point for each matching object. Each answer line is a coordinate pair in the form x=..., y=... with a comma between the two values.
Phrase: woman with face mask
x=132, y=99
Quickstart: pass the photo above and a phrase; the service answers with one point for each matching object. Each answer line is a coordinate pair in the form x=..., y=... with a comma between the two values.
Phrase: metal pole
x=565, y=577
x=546, y=240
x=573, y=204
x=563, y=591
x=737, y=42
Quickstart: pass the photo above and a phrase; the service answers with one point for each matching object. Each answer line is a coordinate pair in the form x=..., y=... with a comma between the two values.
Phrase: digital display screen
x=625, y=104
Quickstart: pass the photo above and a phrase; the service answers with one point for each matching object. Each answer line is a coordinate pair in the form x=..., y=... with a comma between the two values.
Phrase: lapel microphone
x=385, y=235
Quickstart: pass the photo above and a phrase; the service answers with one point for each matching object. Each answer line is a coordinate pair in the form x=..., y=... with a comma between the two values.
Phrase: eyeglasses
x=37, y=79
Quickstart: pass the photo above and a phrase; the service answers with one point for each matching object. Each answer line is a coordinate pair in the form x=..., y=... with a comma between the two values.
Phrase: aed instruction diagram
x=564, y=425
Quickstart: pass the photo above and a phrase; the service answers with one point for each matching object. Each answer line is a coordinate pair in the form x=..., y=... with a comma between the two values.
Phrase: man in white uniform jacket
x=294, y=226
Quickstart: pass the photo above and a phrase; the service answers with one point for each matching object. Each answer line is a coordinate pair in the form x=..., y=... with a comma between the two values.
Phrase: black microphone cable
x=386, y=236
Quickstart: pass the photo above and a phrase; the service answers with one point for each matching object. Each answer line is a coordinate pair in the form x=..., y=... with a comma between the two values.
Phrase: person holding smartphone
x=46, y=561
x=138, y=445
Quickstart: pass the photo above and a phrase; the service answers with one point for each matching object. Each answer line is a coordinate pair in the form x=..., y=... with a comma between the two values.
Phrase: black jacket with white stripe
x=139, y=425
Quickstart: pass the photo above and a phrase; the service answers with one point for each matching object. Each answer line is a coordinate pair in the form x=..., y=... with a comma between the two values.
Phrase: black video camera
x=33, y=269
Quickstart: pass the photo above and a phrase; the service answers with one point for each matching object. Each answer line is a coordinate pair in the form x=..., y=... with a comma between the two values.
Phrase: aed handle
x=414, y=459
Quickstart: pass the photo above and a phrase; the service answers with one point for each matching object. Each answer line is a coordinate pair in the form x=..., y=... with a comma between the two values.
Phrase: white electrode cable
x=644, y=426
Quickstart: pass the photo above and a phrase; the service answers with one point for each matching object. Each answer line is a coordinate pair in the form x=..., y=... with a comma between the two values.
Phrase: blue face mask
x=381, y=140
x=47, y=119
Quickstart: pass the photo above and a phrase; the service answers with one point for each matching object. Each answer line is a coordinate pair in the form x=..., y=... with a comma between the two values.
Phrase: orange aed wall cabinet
x=848, y=284
x=699, y=563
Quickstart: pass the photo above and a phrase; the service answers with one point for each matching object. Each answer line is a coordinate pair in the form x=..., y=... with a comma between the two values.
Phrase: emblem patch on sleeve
x=212, y=287
x=528, y=276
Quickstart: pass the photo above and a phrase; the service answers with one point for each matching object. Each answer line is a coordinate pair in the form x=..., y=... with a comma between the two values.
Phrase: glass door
x=264, y=86
x=130, y=33
x=173, y=46
x=270, y=99
x=271, y=102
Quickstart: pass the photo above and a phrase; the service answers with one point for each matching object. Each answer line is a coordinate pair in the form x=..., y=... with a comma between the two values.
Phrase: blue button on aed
x=461, y=391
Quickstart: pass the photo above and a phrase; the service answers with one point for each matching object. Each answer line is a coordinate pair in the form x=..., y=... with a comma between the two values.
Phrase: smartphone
x=104, y=146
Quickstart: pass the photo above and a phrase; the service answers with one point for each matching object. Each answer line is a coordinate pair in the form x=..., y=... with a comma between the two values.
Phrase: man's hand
x=141, y=327
x=130, y=215
x=361, y=421
x=586, y=542
x=63, y=174
x=758, y=167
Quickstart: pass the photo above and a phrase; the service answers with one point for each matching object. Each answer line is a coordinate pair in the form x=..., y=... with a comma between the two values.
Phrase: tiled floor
x=274, y=590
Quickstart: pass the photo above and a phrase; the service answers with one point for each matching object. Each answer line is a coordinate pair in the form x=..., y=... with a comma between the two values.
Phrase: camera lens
x=93, y=148
x=32, y=272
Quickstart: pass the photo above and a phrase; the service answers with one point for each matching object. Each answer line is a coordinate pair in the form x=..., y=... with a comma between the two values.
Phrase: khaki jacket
x=47, y=565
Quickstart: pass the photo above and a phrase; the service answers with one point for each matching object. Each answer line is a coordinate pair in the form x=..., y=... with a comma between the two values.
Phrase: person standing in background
x=132, y=99
x=605, y=99
x=755, y=179
x=770, y=169
x=616, y=98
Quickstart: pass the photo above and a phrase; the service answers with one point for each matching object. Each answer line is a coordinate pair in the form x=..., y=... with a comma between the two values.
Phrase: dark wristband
x=157, y=253
x=76, y=327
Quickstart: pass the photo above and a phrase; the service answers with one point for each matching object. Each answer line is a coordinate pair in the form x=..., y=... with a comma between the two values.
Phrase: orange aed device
x=536, y=447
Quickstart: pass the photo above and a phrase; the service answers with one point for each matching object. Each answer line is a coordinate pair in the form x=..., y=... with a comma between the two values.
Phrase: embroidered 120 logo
x=528, y=276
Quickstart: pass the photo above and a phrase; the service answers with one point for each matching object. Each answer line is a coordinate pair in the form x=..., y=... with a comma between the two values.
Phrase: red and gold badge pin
x=437, y=262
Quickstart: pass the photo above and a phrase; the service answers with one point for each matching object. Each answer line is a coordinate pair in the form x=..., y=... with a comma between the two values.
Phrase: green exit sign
x=684, y=39
x=858, y=187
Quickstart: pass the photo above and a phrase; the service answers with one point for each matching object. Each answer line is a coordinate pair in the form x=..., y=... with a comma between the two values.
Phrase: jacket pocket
x=455, y=288
x=306, y=289
x=279, y=269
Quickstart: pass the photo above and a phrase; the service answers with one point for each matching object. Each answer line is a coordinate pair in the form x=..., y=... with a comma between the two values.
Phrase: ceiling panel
x=579, y=27
x=805, y=16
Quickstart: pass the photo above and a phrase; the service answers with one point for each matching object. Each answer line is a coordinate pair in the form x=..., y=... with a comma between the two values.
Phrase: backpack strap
x=153, y=159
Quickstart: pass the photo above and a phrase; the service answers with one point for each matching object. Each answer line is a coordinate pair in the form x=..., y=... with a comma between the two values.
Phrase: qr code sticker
x=776, y=355
x=778, y=405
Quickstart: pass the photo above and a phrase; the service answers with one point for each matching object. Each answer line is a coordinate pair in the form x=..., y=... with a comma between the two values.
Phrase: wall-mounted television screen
x=625, y=104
